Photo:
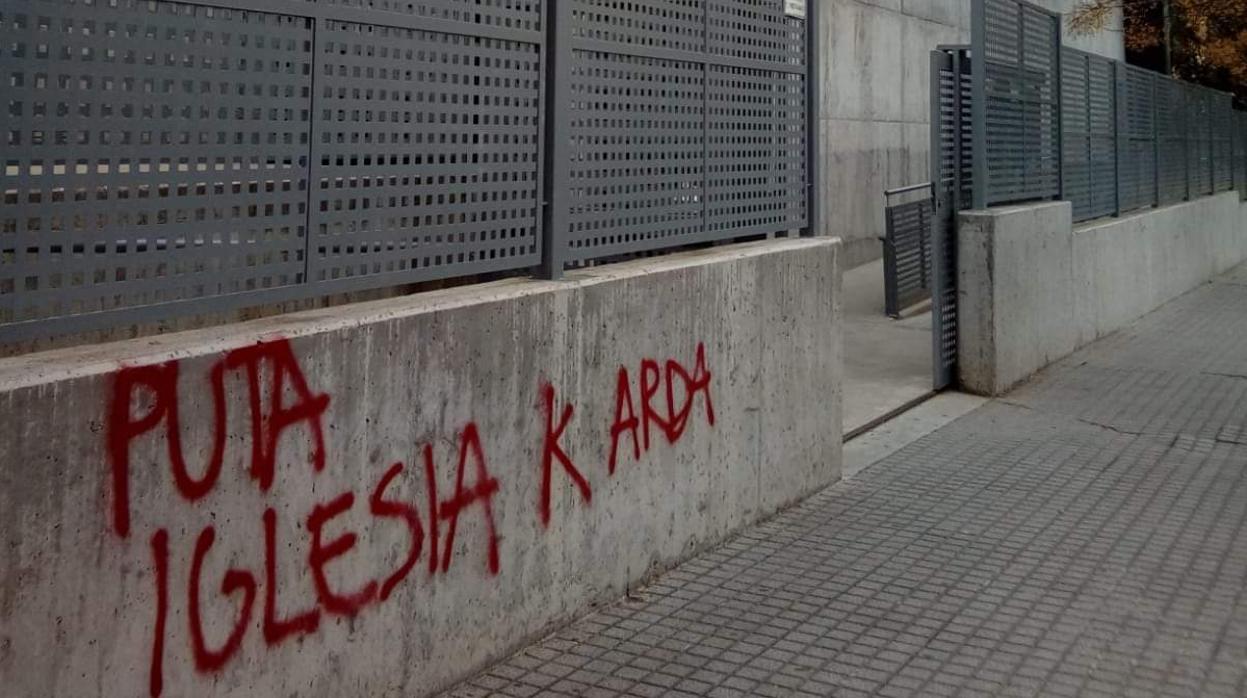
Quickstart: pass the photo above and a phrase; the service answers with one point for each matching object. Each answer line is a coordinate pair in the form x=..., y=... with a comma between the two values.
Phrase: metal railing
x=169, y=158
x=1053, y=122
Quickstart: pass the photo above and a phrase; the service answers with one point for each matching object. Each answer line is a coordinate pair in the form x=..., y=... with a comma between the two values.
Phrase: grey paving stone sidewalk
x=1083, y=537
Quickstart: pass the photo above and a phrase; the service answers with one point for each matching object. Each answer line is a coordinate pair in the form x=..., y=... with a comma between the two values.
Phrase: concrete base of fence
x=379, y=499
x=1032, y=288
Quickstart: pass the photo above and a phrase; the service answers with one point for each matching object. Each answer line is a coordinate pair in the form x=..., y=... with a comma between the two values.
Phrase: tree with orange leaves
x=1201, y=41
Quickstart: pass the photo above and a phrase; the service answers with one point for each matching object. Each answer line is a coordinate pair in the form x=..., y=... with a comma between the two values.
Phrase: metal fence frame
x=382, y=143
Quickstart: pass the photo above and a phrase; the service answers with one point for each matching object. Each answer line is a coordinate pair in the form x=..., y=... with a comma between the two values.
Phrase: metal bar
x=938, y=59
x=1186, y=142
x=1060, y=113
x=580, y=43
x=160, y=312
x=367, y=15
x=813, y=127
x=978, y=100
x=902, y=190
x=1119, y=124
x=1156, y=196
x=556, y=195
x=958, y=73
x=313, y=164
x=705, y=115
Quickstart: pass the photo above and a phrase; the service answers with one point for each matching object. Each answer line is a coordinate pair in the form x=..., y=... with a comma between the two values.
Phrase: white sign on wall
x=795, y=8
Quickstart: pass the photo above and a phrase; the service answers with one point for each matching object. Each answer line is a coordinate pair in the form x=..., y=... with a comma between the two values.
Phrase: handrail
x=902, y=190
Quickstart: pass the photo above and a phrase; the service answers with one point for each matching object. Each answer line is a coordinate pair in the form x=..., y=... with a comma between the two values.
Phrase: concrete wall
x=874, y=115
x=1032, y=289
x=161, y=499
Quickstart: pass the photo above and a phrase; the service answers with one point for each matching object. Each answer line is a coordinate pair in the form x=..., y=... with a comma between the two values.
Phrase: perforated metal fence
x=164, y=158
x=1016, y=102
x=1089, y=133
x=1109, y=138
x=687, y=123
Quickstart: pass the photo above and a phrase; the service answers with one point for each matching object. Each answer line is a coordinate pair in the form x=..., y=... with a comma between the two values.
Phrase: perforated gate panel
x=688, y=123
x=1088, y=134
x=153, y=152
x=907, y=254
x=1019, y=145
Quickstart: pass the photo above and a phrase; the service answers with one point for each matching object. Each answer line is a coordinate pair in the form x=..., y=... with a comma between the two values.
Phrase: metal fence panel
x=1199, y=140
x=425, y=156
x=154, y=153
x=1088, y=134
x=688, y=124
x=166, y=157
x=1137, y=142
x=1171, y=128
x=173, y=157
x=1222, y=114
x=1017, y=84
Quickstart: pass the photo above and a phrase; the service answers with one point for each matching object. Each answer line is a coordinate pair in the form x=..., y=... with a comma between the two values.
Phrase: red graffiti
x=235, y=580
x=278, y=629
x=433, y=513
x=161, y=380
x=385, y=508
x=483, y=491
x=160, y=557
x=551, y=450
x=266, y=428
x=322, y=554
x=623, y=400
x=283, y=410
x=675, y=422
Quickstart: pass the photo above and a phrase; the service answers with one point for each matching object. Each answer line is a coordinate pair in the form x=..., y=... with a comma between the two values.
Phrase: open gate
x=907, y=247
x=951, y=166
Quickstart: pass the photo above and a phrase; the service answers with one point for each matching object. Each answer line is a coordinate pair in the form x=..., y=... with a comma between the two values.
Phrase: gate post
x=555, y=200
x=813, y=129
x=978, y=102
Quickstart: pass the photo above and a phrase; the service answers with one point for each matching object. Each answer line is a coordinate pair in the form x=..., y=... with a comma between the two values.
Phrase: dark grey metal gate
x=952, y=191
x=907, y=248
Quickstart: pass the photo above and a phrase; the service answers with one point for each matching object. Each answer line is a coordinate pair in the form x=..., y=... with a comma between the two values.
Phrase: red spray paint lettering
x=675, y=422
x=551, y=450
x=282, y=406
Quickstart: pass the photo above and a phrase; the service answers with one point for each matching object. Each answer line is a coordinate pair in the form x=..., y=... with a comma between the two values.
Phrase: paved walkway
x=887, y=363
x=1083, y=537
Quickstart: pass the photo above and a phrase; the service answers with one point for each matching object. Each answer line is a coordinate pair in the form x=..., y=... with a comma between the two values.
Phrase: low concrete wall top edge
x=1098, y=224
x=72, y=362
x=996, y=211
